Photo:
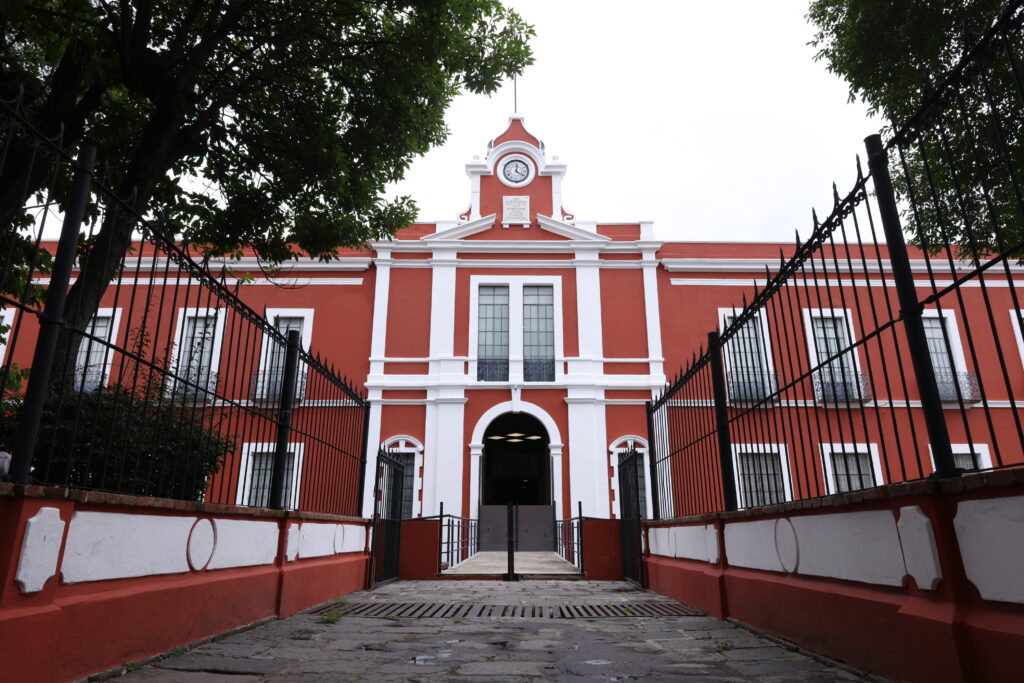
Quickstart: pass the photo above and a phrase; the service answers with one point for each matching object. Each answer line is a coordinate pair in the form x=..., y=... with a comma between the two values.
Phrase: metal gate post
x=910, y=309
x=722, y=421
x=511, y=544
x=284, y=424
x=51, y=322
x=651, y=458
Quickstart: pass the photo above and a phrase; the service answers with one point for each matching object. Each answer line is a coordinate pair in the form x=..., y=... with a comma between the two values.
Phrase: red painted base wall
x=602, y=549
x=904, y=633
x=66, y=632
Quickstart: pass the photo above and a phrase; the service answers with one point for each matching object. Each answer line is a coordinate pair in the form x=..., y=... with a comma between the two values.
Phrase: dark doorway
x=517, y=465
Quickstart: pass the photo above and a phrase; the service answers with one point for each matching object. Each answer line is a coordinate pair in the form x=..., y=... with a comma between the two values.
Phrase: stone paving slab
x=328, y=646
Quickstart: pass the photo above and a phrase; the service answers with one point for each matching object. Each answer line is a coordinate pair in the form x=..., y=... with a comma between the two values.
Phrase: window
x=6, y=328
x=269, y=378
x=92, y=364
x=515, y=328
x=947, y=357
x=840, y=378
x=492, y=346
x=850, y=467
x=1017, y=322
x=197, y=351
x=748, y=359
x=257, y=471
x=967, y=457
x=409, y=452
x=762, y=474
x=538, y=333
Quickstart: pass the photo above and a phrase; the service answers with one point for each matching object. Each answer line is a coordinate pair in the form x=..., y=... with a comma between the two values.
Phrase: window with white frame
x=92, y=363
x=947, y=357
x=1017, y=323
x=967, y=457
x=625, y=444
x=515, y=328
x=762, y=474
x=851, y=467
x=257, y=472
x=492, y=344
x=197, y=350
x=6, y=328
x=270, y=376
x=839, y=378
x=749, y=375
x=409, y=452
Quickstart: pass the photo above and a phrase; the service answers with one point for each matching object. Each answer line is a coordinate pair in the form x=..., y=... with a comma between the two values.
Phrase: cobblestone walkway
x=329, y=646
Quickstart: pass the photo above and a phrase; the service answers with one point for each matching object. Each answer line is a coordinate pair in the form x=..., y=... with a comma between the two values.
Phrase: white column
x=442, y=470
x=442, y=313
x=555, y=451
x=652, y=309
x=476, y=453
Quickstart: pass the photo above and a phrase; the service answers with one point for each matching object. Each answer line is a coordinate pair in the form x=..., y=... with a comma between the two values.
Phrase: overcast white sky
x=709, y=118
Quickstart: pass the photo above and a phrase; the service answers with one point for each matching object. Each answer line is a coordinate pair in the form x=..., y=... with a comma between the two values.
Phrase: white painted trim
x=245, y=470
x=777, y=448
x=144, y=264
x=515, y=284
x=1015, y=323
x=652, y=314
x=403, y=443
x=108, y=353
x=6, y=320
x=827, y=449
x=725, y=313
x=381, y=291
x=220, y=315
x=757, y=265
x=622, y=445
x=952, y=332
x=981, y=449
x=821, y=282
x=809, y=314
x=572, y=232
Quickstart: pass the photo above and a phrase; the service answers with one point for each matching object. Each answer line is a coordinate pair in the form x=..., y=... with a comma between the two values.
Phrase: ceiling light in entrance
x=534, y=437
x=515, y=435
x=495, y=437
x=515, y=440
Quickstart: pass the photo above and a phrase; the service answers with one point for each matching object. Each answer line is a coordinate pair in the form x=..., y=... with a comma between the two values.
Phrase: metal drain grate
x=448, y=610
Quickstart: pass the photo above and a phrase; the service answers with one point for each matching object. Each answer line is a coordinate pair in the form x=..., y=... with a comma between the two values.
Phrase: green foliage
x=270, y=123
x=141, y=443
x=955, y=182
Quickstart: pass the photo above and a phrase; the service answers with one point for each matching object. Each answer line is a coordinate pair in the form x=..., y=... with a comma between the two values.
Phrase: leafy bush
x=142, y=443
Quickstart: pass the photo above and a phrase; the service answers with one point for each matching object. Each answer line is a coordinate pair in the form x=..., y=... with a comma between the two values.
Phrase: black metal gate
x=630, y=471
x=387, y=519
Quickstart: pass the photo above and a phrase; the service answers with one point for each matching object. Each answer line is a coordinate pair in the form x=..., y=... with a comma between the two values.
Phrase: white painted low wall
x=991, y=537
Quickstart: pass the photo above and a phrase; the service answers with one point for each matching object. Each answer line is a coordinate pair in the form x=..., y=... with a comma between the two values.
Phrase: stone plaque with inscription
x=516, y=210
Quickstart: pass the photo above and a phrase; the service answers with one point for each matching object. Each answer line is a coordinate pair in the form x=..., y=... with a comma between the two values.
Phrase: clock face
x=516, y=171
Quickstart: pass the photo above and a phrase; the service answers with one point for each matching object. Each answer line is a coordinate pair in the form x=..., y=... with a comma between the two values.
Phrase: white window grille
x=851, y=467
x=257, y=470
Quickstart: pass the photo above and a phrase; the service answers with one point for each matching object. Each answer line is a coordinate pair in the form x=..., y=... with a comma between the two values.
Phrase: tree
x=274, y=124
x=956, y=178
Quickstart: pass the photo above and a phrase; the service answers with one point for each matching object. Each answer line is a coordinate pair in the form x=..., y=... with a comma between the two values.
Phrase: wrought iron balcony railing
x=954, y=386
x=539, y=370
x=492, y=370
x=198, y=384
x=750, y=385
x=837, y=385
x=267, y=384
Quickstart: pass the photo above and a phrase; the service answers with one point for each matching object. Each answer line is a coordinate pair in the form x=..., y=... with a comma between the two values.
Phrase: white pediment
x=563, y=229
x=462, y=231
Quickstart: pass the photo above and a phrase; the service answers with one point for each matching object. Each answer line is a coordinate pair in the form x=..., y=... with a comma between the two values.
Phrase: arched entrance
x=516, y=462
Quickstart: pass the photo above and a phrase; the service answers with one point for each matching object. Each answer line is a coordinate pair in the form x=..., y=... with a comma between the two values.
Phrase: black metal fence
x=459, y=540
x=569, y=540
x=859, y=361
x=145, y=373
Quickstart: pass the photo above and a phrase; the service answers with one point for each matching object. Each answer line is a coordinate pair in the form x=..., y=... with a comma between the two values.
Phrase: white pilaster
x=372, y=444
x=445, y=446
x=381, y=289
x=442, y=312
x=652, y=309
x=555, y=450
x=588, y=469
x=476, y=454
x=588, y=312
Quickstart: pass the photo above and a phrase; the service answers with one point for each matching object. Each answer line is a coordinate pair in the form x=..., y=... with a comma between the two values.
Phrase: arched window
x=624, y=444
x=409, y=451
